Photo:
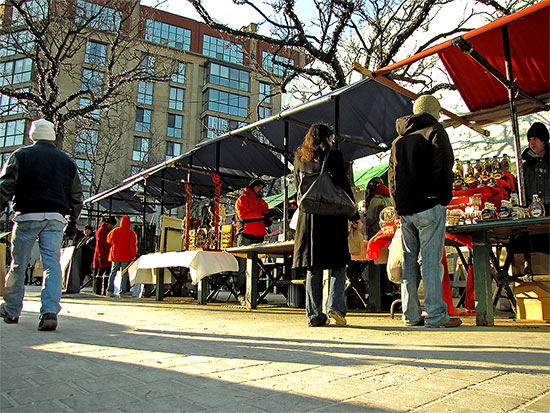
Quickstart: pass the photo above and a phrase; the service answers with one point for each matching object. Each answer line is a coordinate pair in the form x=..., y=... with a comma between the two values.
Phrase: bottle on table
x=536, y=208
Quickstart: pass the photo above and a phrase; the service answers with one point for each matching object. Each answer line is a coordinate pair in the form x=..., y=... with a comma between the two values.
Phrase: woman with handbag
x=321, y=241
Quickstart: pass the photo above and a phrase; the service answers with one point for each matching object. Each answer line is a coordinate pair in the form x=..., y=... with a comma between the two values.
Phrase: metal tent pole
x=285, y=185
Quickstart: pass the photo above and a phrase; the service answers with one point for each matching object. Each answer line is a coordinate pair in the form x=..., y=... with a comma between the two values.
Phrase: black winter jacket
x=420, y=169
x=536, y=176
x=42, y=178
x=321, y=241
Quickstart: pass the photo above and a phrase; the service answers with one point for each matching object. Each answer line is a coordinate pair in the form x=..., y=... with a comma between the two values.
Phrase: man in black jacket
x=44, y=184
x=420, y=178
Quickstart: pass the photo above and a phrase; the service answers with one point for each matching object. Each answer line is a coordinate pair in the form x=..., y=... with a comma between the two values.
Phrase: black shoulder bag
x=317, y=194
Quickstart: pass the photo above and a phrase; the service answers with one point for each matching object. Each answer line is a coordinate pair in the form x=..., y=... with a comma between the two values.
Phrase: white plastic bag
x=395, y=258
x=117, y=281
x=294, y=220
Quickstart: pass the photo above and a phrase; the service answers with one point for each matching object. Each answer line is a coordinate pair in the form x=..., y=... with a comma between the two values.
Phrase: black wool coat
x=321, y=241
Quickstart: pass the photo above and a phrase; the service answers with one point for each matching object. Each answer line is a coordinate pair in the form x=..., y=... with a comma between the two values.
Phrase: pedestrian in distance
x=101, y=263
x=44, y=184
x=123, y=250
x=321, y=241
x=420, y=180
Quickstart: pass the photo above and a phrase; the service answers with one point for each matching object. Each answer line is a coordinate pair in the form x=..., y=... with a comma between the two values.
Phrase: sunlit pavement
x=127, y=354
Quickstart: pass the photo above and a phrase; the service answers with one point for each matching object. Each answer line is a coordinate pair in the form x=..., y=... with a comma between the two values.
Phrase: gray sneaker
x=48, y=322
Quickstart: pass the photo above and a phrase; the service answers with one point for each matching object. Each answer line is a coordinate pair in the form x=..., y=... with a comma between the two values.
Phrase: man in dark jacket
x=536, y=165
x=420, y=178
x=45, y=186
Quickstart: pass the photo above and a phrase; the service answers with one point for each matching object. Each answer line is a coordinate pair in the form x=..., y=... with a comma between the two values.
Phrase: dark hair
x=538, y=130
x=316, y=142
x=89, y=227
x=108, y=220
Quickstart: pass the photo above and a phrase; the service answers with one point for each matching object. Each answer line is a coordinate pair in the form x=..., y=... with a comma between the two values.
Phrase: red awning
x=529, y=33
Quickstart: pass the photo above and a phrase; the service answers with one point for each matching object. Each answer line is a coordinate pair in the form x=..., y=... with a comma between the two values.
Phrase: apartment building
x=217, y=83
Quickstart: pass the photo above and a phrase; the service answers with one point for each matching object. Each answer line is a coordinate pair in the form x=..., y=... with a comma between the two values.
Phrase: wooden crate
x=533, y=300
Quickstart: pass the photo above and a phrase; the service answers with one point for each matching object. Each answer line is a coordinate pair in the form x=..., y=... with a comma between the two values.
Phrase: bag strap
x=325, y=161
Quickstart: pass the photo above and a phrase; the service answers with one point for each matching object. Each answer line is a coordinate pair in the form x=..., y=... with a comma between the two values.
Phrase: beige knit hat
x=42, y=129
x=427, y=104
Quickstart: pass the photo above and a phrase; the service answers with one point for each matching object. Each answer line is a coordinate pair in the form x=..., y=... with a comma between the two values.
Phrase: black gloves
x=268, y=213
x=70, y=229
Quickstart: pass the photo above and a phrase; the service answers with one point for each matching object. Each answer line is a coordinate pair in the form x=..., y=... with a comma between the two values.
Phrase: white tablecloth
x=200, y=263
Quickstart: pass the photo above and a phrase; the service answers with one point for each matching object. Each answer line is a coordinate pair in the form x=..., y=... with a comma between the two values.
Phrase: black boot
x=97, y=285
x=105, y=284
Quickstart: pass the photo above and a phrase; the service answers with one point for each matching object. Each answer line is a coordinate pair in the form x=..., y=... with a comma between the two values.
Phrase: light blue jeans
x=424, y=233
x=118, y=266
x=23, y=236
x=314, y=293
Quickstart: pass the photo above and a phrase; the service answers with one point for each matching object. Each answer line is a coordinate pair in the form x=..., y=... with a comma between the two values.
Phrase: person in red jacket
x=123, y=250
x=252, y=214
x=100, y=263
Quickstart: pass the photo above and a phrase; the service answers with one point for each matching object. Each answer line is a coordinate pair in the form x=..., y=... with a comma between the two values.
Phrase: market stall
x=501, y=72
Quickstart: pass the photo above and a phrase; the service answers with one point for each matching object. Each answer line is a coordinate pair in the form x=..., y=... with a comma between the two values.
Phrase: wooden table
x=484, y=235
x=252, y=253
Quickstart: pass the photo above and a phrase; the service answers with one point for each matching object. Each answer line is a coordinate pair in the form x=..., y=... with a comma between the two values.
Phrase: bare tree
x=373, y=32
x=52, y=34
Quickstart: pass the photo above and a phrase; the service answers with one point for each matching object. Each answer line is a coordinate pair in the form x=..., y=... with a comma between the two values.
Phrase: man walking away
x=44, y=183
x=420, y=177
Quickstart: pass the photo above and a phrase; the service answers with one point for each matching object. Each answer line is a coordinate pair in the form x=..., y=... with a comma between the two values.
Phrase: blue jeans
x=424, y=233
x=23, y=236
x=314, y=293
x=118, y=266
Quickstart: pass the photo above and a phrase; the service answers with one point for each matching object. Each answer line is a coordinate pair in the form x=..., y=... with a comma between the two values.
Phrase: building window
x=179, y=73
x=225, y=102
x=173, y=149
x=228, y=76
x=16, y=42
x=36, y=9
x=222, y=49
x=274, y=64
x=145, y=92
x=176, y=98
x=147, y=64
x=264, y=112
x=94, y=114
x=96, y=53
x=86, y=141
x=15, y=71
x=103, y=18
x=12, y=133
x=175, y=125
x=214, y=126
x=84, y=167
x=140, y=152
x=167, y=34
x=143, y=120
x=9, y=106
x=265, y=92
x=4, y=158
x=92, y=80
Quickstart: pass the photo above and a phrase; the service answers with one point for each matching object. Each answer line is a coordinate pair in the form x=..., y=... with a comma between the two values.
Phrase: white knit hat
x=42, y=129
x=427, y=104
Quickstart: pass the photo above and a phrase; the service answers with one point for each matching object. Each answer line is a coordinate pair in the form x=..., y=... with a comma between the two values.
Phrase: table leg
x=202, y=290
x=159, y=294
x=482, y=279
x=252, y=275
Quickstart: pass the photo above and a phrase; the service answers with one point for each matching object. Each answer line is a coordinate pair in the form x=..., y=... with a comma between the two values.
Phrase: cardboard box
x=533, y=300
x=540, y=263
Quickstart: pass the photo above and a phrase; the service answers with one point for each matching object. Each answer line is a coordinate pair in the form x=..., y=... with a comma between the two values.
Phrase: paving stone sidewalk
x=176, y=356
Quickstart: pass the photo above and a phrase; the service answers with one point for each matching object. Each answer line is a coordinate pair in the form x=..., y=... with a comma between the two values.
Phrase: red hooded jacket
x=249, y=207
x=123, y=242
x=101, y=252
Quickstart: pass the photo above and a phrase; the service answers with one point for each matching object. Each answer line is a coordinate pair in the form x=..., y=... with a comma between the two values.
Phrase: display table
x=484, y=235
x=253, y=253
x=148, y=269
